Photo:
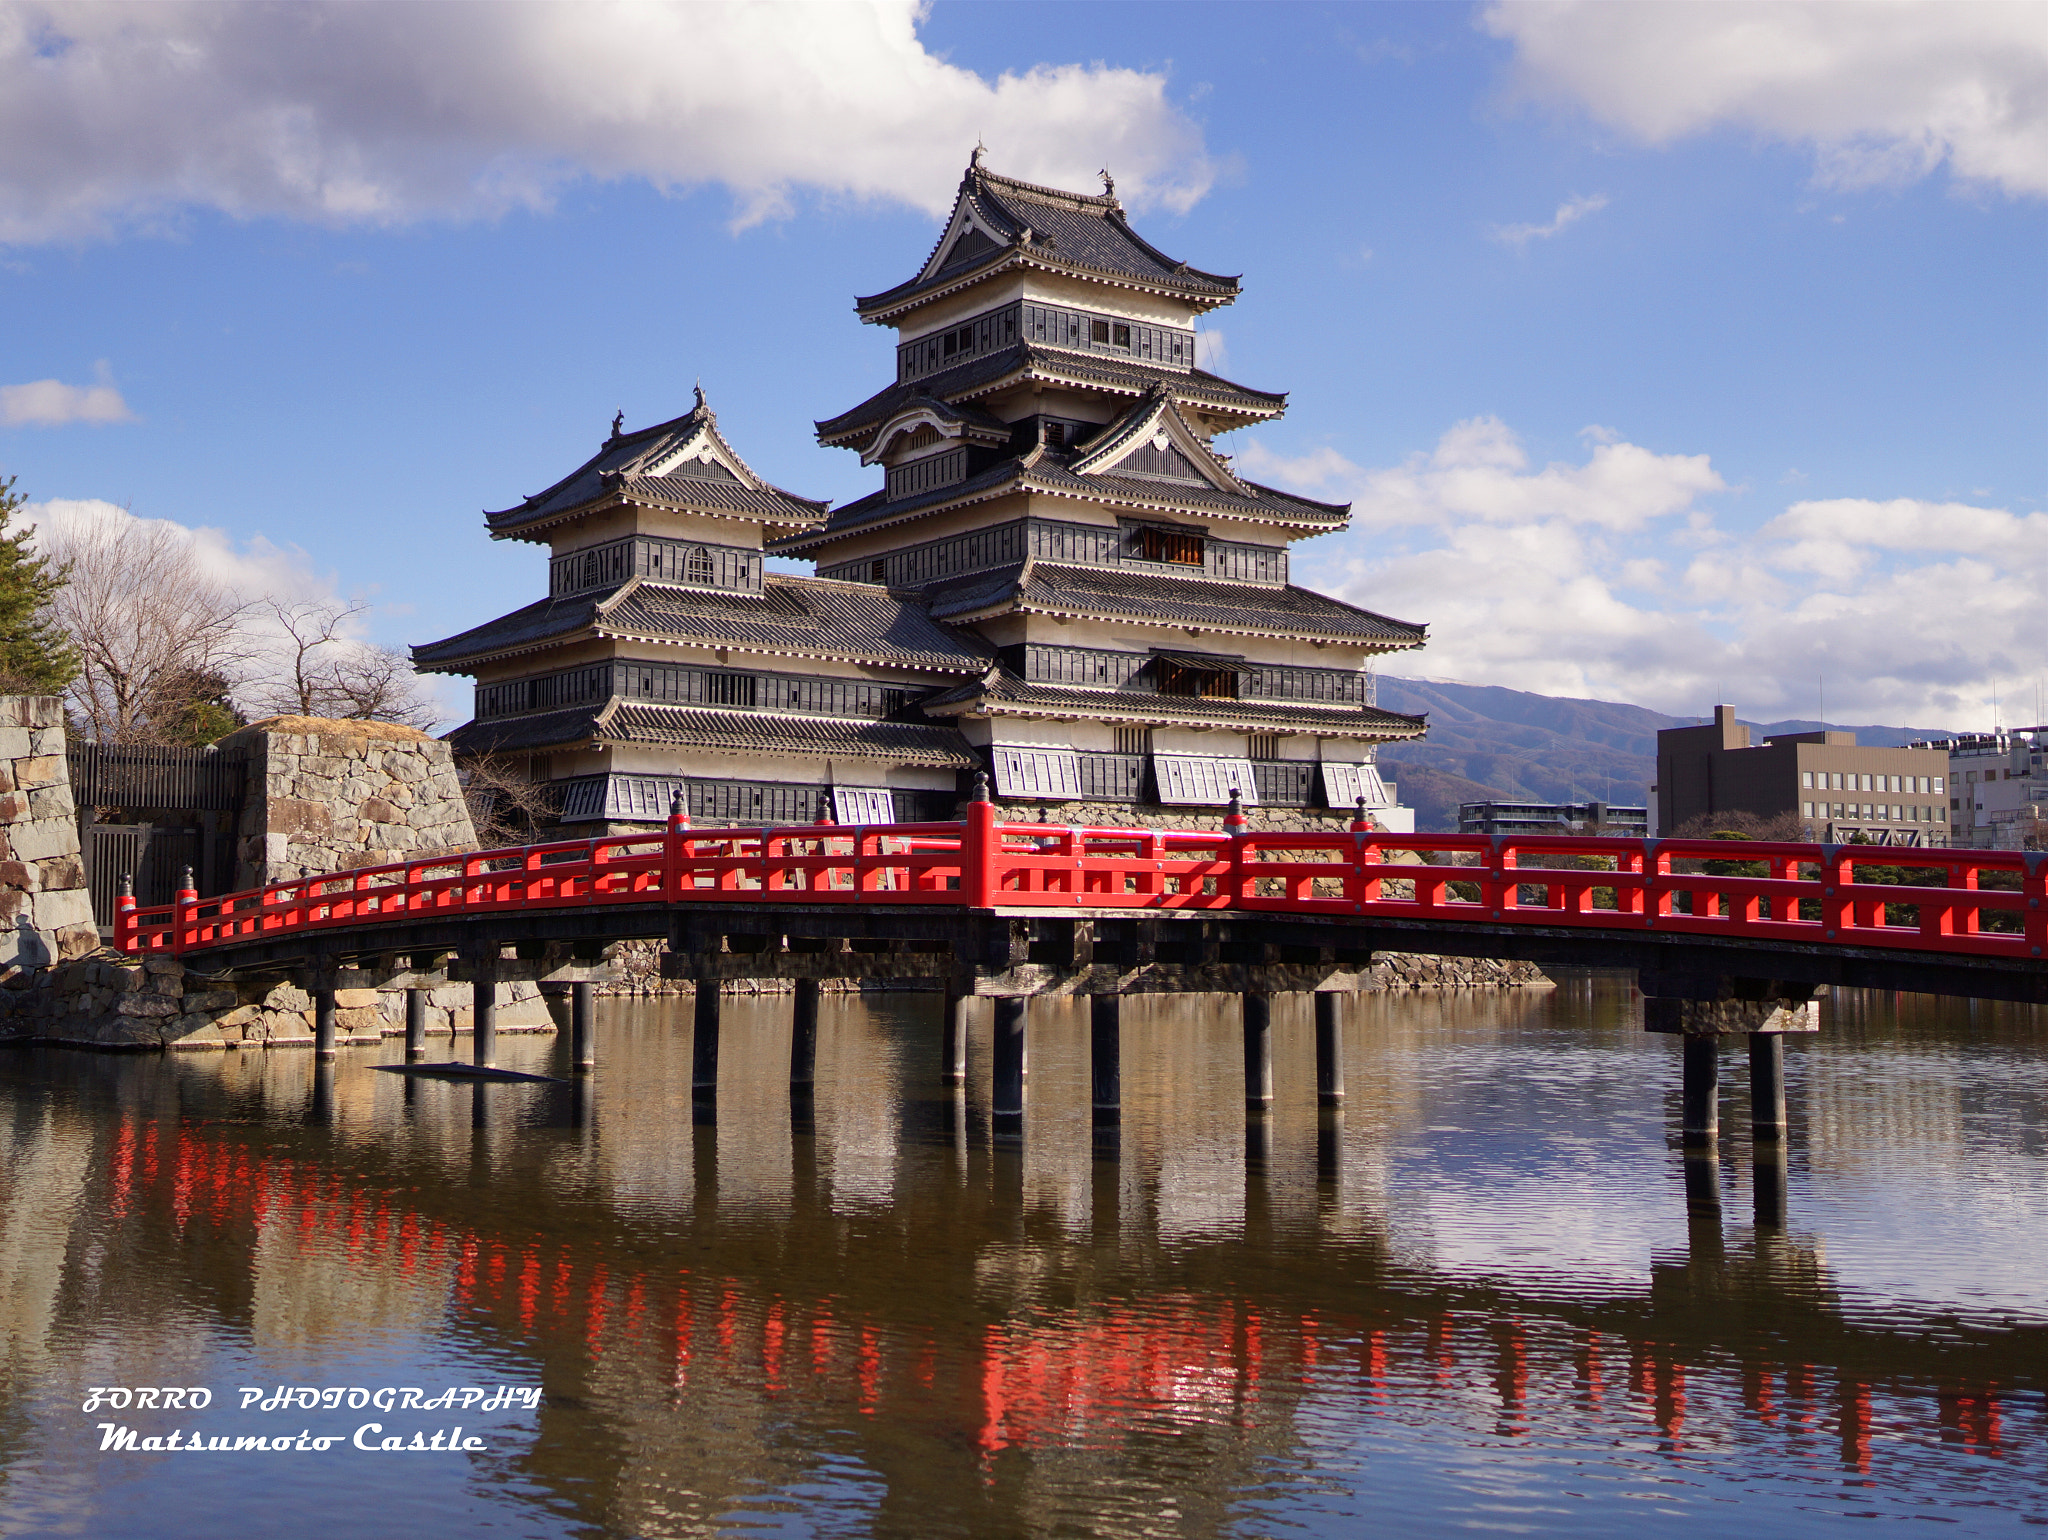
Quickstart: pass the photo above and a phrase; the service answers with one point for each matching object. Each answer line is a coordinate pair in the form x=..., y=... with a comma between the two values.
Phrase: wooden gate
x=149, y=812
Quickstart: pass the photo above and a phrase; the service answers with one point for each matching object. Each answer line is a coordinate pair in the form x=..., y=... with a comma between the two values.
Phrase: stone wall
x=105, y=1000
x=43, y=896
x=329, y=796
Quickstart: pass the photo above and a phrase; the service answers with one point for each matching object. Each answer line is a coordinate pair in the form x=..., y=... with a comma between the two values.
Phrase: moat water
x=1485, y=1298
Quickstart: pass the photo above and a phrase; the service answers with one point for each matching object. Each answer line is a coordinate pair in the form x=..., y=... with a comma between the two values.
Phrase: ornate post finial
x=980, y=787
x=618, y=424
x=127, y=885
x=675, y=803
x=1233, y=816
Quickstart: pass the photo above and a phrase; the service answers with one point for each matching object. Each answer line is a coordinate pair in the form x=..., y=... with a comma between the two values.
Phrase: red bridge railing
x=1988, y=903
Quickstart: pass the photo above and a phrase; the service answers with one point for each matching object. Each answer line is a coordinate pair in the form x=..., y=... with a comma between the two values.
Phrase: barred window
x=699, y=568
x=1264, y=746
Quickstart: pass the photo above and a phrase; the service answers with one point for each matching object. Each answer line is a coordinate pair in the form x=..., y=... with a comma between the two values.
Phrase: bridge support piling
x=1258, y=1050
x=953, y=1032
x=415, y=1026
x=1767, y=1086
x=1329, y=1051
x=1011, y=1055
x=582, y=1038
x=1768, y=1184
x=704, y=1042
x=1106, y=1056
x=323, y=1021
x=483, y=1010
x=803, y=1036
x=1700, y=1101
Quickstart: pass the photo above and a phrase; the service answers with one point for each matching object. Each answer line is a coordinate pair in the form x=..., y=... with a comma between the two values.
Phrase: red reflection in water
x=1073, y=1376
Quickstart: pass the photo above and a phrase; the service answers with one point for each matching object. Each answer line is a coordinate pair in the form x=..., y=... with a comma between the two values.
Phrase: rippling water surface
x=1489, y=1295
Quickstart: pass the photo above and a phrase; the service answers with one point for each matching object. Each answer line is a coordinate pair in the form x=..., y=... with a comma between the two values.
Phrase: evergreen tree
x=36, y=657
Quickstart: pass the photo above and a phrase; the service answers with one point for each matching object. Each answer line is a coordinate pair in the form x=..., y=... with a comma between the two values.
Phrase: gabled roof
x=1200, y=604
x=684, y=463
x=1004, y=693
x=796, y=617
x=998, y=223
x=1025, y=361
x=1049, y=474
x=966, y=423
x=727, y=732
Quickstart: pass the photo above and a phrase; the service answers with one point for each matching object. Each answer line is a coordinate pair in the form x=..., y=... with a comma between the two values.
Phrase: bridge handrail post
x=124, y=916
x=1236, y=825
x=2034, y=890
x=672, y=848
x=181, y=922
x=978, y=836
x=1837, y=905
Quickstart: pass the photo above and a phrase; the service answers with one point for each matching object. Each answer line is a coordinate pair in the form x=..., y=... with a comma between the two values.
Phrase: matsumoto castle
x=1059, y=581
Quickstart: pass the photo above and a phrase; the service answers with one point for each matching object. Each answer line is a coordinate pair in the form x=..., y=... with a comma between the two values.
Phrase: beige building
x=1840, y=788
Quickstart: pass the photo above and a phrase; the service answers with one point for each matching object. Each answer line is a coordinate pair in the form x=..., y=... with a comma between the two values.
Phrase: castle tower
x=666, y=658
x=1052, y=487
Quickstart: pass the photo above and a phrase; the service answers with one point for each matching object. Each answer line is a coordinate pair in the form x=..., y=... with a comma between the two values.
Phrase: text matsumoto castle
x=1060, y=581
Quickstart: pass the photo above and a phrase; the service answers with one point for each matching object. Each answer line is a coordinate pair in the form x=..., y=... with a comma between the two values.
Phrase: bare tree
x=505, y=805
x=143, y=614
x=309, y=626
x=330, y=674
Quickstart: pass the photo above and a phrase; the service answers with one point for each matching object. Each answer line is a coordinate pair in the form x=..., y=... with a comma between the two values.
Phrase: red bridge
x=1816, y=898
x=1725, y=939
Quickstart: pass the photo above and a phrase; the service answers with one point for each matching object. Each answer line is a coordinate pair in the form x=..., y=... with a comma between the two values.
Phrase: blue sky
x=1659, y=368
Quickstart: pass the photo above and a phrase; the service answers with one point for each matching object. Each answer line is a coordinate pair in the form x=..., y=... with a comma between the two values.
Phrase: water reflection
x=1488, y=1289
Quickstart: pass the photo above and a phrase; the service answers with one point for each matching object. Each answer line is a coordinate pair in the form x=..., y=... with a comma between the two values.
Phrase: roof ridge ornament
x=618, y=428
x=700, y=396
x=1108, y=184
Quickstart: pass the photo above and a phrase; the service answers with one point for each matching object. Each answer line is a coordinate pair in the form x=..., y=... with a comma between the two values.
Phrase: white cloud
x=1569, y=212
x=1612, y=579
x=255, y=570
x=1211, y=351
x=116, y=113
x=52, y=404
x=1882, y=92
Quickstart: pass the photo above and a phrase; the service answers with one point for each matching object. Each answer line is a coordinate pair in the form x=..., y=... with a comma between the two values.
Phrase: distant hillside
x=1485, y=741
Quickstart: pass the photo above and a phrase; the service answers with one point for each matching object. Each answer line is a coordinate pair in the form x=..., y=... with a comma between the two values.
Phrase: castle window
x=1098, y=331
x=878, y=571
x=699, y=568
x=1200, y=683
x=1133, y=740
x=1170, y=545
x=729, y=689
x=1120, y=336
x=1264, y=746
x=1055, y=435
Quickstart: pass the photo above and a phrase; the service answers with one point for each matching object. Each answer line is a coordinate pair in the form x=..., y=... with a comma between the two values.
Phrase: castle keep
x=1060, y=581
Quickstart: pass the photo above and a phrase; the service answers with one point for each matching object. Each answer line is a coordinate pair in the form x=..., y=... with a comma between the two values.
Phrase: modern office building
x=1839, y=788
x=1552, y=818
x=1998, y=787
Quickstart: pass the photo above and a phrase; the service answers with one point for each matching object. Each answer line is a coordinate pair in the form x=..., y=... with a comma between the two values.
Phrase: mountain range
x=1486, y=743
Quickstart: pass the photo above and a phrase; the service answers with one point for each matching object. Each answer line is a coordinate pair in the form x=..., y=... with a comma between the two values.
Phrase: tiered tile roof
x=790, y=617
x=1021, y=223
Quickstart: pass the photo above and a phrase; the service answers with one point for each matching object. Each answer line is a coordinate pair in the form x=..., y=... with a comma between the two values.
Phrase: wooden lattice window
x=1170, y=545
x=1133, y=740
x=699, y=568
x=1201, y=683
x=1264, y=746
x=729, y=689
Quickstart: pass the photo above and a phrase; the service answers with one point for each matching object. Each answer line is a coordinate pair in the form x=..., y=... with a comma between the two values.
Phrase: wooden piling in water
x=1105, y=1056
x=1258, y=1049
x=1329, y=1050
